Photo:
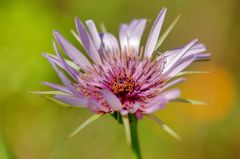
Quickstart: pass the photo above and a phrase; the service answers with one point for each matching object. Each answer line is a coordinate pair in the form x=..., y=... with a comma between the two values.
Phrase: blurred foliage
x=33, y=128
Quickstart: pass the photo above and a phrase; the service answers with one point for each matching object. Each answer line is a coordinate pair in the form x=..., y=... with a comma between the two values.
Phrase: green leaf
x=166, y=33
x=165, y=127
x=190, y=101
x=127, y=129
x=48, y=93
x=191, y=72
x=86, y=123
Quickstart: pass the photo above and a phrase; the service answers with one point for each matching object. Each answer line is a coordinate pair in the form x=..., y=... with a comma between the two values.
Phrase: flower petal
x=65, y=80
x=179, y=66
x=130, y=35
x=154, y=107
x=54, y=59
x=196, y=49
x=135, y=34
x=123, y=37
x=171, y=94
x=203, y=57
x=94, y=33
x=72, y=100
x=179, y=55
x=56, y=87
x=135, y=107
x=110, y=43
x=72, y=51
x=112, y=100
x=71, y=71
x=154, y=33
x=87, y=42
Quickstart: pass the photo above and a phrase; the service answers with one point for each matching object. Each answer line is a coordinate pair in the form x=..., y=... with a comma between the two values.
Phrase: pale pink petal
x=179, y=66
x=135, y=35
x=65, y=80
x=94, y=33
x=75, y=101
x=72, y=52
x=57, y=87
x=179, y=80
x=87, y=42
x=171, y=94
x=178, y=56
x=112, y=100
x=154, y=33
x=110, y=43
x=123, y=37
x=71, y=71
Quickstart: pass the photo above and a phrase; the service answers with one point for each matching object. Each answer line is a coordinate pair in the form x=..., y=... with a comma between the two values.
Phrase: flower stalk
x=134, y=137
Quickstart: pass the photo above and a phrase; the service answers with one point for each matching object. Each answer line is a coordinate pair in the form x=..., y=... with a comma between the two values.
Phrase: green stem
x=134, y=137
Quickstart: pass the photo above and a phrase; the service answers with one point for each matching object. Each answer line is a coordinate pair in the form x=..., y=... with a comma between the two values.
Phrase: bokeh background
x=34, y=128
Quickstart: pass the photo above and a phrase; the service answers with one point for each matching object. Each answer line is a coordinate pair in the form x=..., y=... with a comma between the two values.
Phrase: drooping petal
x=96, y=107
x=154, y=33
x=171, y=94
x=155, y=106
x=112, y=100
x=72, y=100
x=52, y=99
x=135, y=107
x=57, y=87
x=87, y=42
x=94, y=33
x=72, y=51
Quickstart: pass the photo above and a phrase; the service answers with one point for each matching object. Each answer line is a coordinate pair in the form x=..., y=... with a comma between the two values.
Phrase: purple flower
x=119, y=74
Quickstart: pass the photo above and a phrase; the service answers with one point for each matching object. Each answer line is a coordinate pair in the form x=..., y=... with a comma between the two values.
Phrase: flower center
x=123, y=85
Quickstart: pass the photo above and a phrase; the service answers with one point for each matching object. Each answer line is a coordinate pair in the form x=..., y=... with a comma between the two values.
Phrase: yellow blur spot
x=217, y=88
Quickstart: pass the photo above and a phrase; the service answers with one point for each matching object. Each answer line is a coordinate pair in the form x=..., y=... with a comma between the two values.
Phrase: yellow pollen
x=123, y=85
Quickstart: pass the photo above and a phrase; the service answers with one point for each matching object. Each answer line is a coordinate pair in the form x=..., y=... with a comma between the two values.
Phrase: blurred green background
x=34, y=128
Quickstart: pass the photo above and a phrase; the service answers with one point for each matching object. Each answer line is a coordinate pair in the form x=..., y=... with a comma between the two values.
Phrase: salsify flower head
x=121, y=75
